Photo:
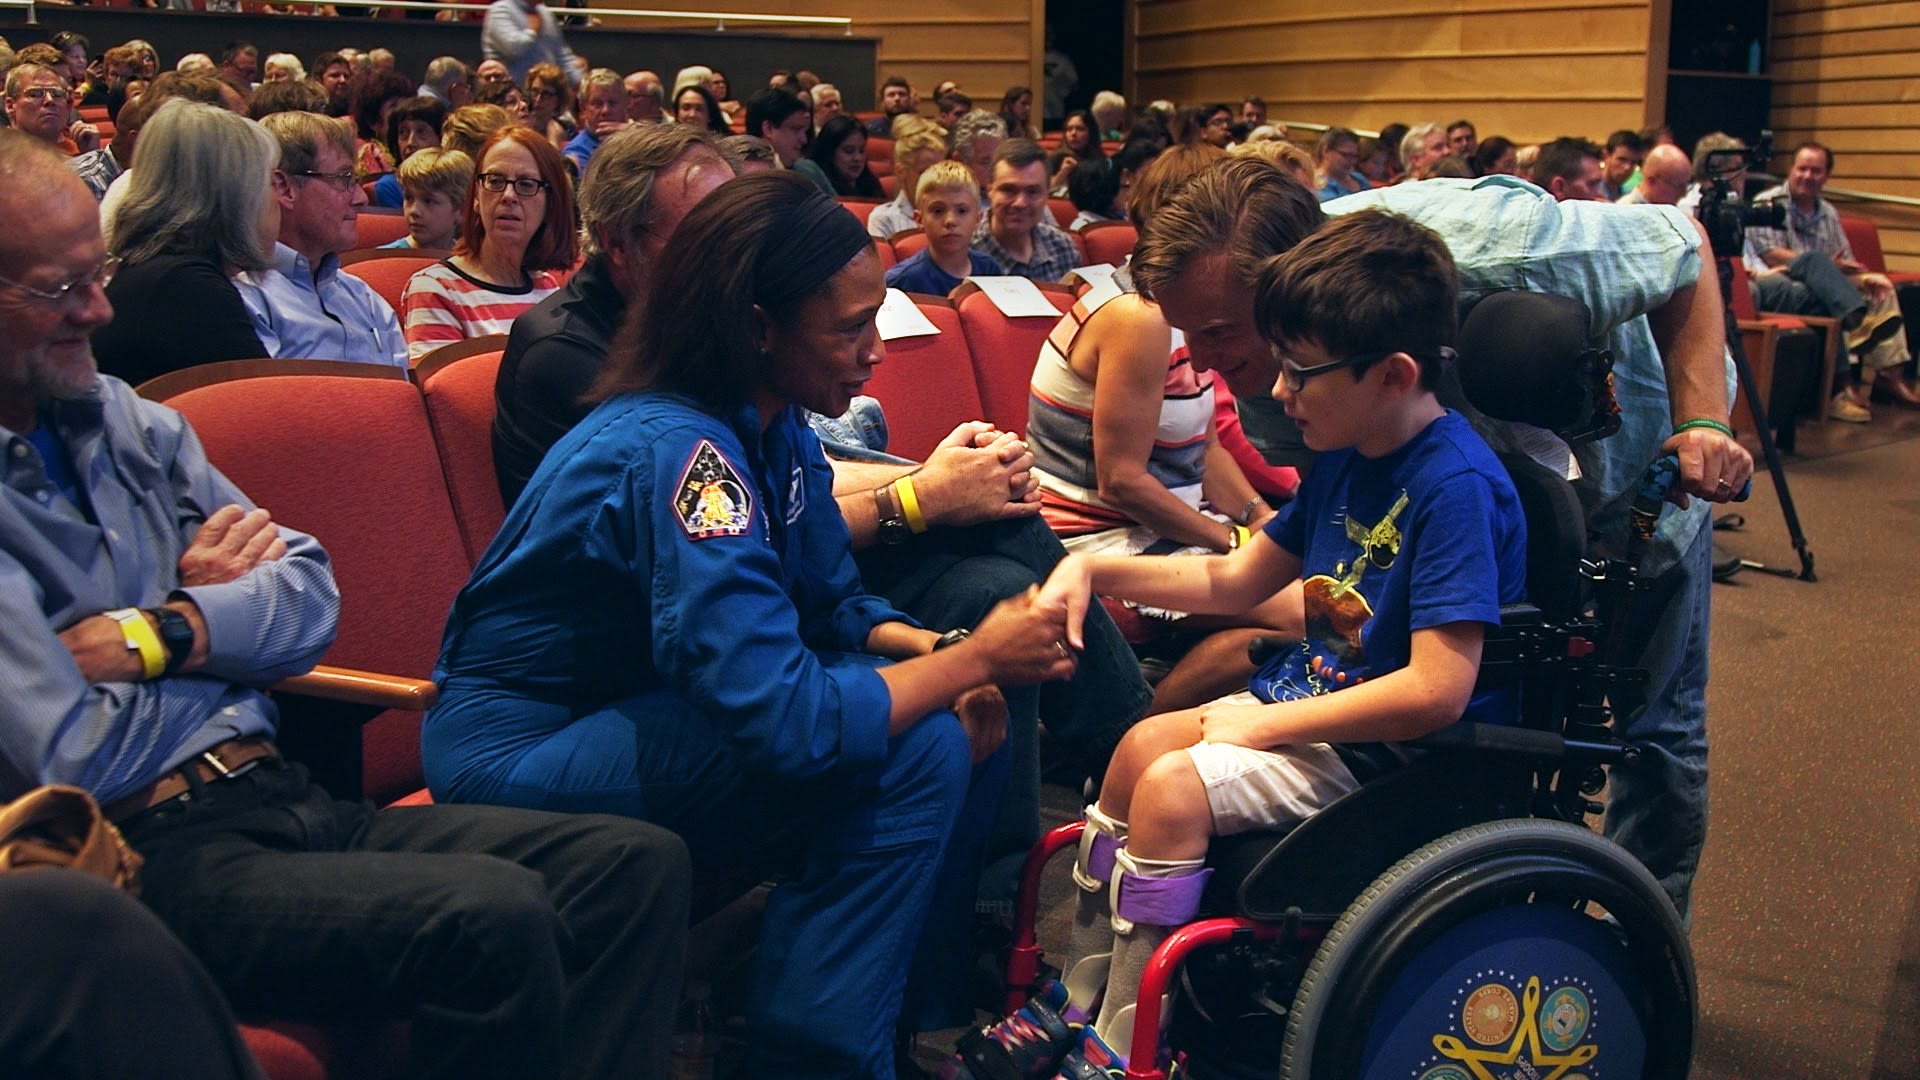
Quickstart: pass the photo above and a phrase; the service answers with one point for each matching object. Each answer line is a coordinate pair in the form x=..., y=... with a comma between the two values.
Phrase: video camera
x=1724, y=211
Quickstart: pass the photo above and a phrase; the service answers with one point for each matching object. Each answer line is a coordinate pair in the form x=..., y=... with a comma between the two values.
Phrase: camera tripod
x=1768, y=451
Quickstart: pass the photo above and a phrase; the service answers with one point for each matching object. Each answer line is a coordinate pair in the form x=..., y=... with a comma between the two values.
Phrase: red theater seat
x=927, y=384
x=457, y=381
x=1005, y=349
x=376, y=226
x=378, y=502
x=908, y=244
x=860, y=208
x=1109, y=241
x=389, y=269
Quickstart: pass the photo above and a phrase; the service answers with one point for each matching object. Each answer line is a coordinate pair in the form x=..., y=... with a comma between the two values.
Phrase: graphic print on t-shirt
x=1337, y=613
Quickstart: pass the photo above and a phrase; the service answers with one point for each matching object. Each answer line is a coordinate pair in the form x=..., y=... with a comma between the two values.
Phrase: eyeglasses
x=45, y=95
x=1295, y=377
x=341, y=181
x=64, y=294
x=524, y=186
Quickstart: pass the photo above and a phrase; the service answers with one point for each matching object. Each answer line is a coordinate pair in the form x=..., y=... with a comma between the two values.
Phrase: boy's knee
x=1172, y=782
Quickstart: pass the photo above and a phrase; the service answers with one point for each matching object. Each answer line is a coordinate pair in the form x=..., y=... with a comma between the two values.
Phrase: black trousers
x=97, y=988
x=517, y=943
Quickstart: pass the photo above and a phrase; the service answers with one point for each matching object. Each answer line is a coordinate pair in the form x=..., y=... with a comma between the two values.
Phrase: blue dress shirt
x=304, y=312
x=150, y=487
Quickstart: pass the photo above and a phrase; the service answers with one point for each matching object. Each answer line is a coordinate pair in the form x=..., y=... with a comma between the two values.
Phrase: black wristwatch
x=952, y=637
x=176, y=634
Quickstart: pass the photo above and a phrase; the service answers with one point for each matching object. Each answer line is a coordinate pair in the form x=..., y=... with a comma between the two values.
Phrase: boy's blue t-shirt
x=920, y=274
x=1428, y=535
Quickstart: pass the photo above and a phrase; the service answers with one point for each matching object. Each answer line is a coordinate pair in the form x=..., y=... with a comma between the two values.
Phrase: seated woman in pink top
x=516, y=246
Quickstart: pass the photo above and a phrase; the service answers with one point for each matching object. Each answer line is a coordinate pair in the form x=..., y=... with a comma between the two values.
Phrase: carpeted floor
x=1807, y=918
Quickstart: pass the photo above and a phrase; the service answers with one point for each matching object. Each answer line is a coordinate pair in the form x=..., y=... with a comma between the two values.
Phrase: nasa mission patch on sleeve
x=711, y=500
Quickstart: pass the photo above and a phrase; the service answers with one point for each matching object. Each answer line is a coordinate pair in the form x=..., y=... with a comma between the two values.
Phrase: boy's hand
x=1069, y=589
x=1241, y=725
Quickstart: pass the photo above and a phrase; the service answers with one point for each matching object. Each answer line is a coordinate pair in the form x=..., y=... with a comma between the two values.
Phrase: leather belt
x=223, y=762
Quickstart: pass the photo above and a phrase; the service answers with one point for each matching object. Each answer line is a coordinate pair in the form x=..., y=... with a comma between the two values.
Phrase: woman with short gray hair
x=199, y=209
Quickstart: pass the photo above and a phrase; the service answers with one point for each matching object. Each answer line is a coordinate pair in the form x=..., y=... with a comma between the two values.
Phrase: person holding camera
x=1808, y=268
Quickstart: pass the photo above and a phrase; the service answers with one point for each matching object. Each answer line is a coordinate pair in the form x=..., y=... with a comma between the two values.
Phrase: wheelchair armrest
x=1494, y=738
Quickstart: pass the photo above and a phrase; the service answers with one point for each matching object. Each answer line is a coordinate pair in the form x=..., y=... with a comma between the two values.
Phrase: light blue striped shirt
x=150, y=487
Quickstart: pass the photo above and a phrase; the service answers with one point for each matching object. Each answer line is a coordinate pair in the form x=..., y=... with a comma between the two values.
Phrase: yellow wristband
x=909, y=504
x=1241, y=534
x=141, y=638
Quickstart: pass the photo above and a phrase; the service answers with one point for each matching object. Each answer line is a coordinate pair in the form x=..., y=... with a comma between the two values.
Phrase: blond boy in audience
x=946, y=203
x=434, y=185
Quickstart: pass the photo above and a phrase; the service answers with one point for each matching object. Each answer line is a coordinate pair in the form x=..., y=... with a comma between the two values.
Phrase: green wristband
x=1703, y=422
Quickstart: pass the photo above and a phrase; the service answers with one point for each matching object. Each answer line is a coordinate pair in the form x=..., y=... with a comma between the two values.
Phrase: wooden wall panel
x=985, y=45
x=1847, y=73
x=1528, y=70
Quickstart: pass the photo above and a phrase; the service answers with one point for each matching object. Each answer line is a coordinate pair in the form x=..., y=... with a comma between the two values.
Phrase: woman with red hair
x=516, y=246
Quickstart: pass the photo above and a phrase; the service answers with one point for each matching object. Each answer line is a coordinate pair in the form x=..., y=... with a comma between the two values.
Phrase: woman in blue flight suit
x=669, y=625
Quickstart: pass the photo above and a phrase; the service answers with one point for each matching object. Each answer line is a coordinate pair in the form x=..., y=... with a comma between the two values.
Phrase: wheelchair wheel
x=1520, y=947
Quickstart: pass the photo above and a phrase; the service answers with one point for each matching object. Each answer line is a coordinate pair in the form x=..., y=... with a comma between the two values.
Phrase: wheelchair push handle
x=1650, y=498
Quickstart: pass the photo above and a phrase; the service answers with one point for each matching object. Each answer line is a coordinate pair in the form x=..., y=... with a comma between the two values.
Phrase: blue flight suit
x=668, y=626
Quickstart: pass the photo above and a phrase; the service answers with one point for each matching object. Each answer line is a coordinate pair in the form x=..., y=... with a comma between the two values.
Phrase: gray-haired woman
x=199, y=210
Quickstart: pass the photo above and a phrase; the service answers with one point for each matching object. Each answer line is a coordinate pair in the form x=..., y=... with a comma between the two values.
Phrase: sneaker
x=1025, y=1044
x=1092, y=1059
x=1846, y=410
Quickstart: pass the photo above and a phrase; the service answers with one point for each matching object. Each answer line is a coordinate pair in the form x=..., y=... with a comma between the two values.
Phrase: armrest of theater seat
x=323, y=712
x=353, y=687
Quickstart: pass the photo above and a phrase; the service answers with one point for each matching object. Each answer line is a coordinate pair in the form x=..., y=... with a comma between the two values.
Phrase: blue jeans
x=1812, y=285
x=1657, y=807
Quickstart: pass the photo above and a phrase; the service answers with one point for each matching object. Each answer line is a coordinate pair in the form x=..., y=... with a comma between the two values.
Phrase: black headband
x=818, y=237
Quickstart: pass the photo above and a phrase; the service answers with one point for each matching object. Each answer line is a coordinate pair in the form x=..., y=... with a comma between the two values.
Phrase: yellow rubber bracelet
x=1241, y=535
x=909, y=504
x=141, y=638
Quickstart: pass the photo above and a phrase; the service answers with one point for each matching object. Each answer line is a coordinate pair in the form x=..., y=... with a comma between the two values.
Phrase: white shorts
x=1251, y=789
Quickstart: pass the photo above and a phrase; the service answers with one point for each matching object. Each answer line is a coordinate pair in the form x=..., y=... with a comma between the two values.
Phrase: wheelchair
x=1454, y=918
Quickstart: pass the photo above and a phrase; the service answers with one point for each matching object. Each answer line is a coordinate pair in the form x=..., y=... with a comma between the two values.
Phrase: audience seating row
x=388, y=269
x=394, y=472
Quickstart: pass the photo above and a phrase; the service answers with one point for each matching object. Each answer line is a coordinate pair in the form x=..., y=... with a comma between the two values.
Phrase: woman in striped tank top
x=1121, y=428
x=517, y=244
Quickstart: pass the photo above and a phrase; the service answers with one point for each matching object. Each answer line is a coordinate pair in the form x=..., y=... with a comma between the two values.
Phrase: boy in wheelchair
x=1404, y=542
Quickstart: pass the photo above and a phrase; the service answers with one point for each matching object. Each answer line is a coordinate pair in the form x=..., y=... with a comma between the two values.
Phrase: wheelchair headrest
x=1525, y=357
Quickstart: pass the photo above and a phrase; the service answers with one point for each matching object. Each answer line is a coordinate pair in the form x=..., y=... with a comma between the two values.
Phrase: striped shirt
x=1060, y=429
x=442, y=304
x=1818, y=231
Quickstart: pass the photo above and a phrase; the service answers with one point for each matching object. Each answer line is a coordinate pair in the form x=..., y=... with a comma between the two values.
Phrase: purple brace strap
x=1168, y=901
x=1100, y=855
